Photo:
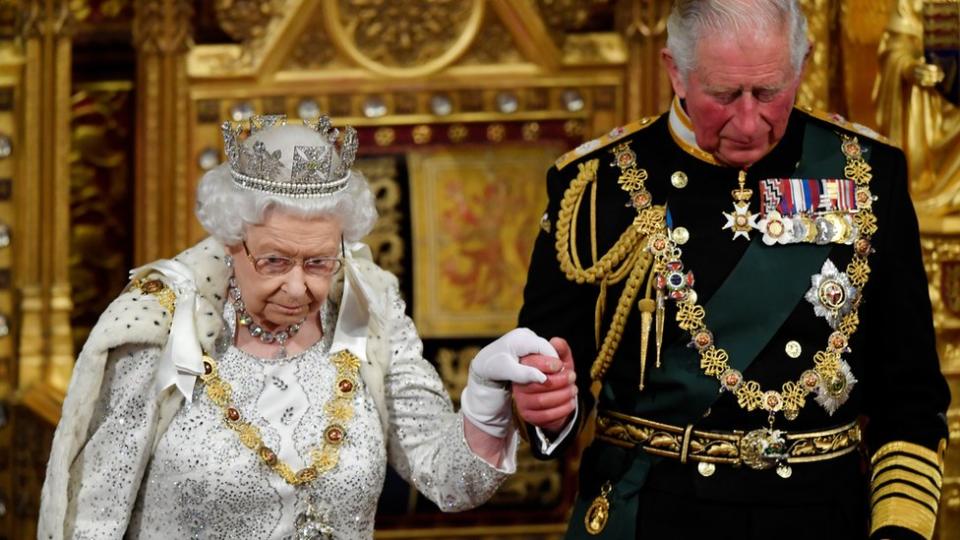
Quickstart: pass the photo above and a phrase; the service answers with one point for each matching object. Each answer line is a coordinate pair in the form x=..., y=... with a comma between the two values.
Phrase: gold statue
x=913, y=113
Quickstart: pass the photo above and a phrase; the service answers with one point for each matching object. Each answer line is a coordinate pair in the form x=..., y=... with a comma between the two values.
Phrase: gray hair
x=226, y=209
x=689, y=19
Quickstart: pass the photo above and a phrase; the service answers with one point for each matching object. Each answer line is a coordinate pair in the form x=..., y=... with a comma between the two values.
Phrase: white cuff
x=547, y=447
x=508, y=460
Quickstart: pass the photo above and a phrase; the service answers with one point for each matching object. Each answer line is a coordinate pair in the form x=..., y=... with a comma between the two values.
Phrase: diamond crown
x=312, y=173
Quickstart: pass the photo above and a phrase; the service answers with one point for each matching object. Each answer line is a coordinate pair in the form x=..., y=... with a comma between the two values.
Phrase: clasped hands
x=540, y=375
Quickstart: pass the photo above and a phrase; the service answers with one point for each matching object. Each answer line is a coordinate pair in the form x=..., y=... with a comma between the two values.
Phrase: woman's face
x=282, y=300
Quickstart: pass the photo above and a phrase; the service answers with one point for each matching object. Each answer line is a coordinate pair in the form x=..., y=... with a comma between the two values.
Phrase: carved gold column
x=644, y=25
x=163, y=209
x=42, y=195
x=861, y=24
x=11, y=73
x=815, y=89
x=911, y=111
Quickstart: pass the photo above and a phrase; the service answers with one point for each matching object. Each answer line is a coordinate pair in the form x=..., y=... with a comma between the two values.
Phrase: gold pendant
x=599, y=511
x=647, y=307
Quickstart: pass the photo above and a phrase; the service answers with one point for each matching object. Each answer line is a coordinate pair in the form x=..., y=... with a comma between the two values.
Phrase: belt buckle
x=763, y=448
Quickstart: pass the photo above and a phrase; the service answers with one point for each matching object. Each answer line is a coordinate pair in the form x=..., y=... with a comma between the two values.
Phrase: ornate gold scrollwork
x=403, y=39
x=244, y=20
x=815, y=88
x=385, y=240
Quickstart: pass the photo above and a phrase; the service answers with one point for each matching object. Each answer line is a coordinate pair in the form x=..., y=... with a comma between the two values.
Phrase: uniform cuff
x=905, y=486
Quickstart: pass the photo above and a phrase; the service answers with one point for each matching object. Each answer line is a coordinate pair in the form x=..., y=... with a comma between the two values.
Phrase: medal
x=598, y=513
x=831, y=294
x=817, y=211
x=834, y=389
x=776, y=229
x=741, y=221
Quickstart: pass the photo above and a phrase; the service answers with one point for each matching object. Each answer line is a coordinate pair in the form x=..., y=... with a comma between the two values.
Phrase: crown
x=312, y=175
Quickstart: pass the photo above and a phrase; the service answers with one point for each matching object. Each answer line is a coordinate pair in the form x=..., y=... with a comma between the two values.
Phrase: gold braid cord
x=626, y=259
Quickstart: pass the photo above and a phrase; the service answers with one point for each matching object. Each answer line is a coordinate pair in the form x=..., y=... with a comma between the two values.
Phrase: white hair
x=226, y=209
x=690, y=18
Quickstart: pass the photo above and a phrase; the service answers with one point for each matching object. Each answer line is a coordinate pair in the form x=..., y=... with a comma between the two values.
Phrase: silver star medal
x=834, y=391
x=741, y=221
x=831, y=294
x=833, y=297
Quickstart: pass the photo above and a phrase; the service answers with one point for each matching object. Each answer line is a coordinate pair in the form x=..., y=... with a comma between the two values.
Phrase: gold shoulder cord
x=626, y=259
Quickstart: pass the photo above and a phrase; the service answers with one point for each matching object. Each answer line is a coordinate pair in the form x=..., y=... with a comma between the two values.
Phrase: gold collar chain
x=829, y=375
x=339, y=410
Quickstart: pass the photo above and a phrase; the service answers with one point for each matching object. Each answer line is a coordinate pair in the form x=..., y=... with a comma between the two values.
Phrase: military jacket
x=899, y=394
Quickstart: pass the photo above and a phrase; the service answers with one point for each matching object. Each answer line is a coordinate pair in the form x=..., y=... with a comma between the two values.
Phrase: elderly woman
x=257, y=385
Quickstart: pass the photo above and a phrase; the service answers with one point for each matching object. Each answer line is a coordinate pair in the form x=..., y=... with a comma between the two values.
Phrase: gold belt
x=758, y=449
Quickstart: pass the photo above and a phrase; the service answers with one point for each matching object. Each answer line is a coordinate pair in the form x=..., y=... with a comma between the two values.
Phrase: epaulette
x=603, y=140
x=840, y=121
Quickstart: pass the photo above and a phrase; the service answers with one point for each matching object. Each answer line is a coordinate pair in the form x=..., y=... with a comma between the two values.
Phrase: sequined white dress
x=201, y=482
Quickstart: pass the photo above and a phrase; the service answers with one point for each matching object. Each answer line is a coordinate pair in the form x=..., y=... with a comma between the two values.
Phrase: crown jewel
x=312, y=174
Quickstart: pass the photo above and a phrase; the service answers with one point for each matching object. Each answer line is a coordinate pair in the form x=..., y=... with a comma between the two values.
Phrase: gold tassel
x=661, y=314
x=647, y=306
x=598, y=314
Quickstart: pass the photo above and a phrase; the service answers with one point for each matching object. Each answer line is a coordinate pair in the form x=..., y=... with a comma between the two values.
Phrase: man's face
x=739, y=94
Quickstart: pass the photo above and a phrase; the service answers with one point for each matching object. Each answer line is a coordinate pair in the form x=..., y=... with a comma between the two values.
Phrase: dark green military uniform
x=762, y=318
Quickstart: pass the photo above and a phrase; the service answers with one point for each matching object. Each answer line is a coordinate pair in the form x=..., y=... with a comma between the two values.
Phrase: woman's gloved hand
x=485, y=400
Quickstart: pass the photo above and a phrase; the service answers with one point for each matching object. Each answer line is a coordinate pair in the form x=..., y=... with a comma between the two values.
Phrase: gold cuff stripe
x=921, y=498
x=882, y=474
x=908, y=449
x=908, y=462
x=899, y=511
x=934, y=493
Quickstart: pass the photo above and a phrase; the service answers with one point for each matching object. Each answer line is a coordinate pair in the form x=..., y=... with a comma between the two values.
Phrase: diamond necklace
x=257, y=331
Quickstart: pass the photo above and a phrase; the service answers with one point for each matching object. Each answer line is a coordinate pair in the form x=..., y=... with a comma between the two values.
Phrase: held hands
x=486, y=399
x=548, y=405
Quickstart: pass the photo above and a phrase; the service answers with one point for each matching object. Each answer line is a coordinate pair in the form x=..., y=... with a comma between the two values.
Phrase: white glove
x=486, y=398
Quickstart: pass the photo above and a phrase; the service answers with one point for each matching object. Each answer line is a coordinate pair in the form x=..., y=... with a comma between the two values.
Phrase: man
x=741, y=283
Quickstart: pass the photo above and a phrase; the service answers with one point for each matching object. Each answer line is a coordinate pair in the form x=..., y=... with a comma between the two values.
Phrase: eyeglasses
x=278, y=265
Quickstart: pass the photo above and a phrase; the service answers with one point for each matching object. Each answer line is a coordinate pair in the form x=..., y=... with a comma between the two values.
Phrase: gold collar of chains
x=647, y=249
x=829, y=374
x=339, y=410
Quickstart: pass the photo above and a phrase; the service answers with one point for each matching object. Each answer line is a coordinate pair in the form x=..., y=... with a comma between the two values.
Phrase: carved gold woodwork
x=911, y=111
x=41, y=191
x=245, y=20
x=403, y=39
x=941, y=251
x=11, y=65
x=815, y=88
x=101, y=188
x=913, y=114
x=386, y=239
x=494, y=45
x=643, y=24
x=861, y=27
x=163, y=194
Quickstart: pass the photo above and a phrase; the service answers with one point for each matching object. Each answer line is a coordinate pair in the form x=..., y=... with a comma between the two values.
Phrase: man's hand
x=486, y=399
x=548, y=405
